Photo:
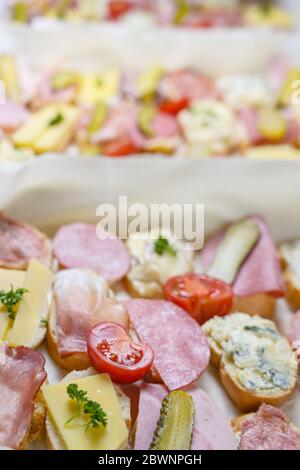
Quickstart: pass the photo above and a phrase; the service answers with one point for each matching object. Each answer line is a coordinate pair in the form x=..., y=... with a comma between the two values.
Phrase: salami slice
x=181, y=351
x=211, y=431
x=260, y=273
x=77, y=246
x=19, y=243
x=21, y=376
x=269, y=429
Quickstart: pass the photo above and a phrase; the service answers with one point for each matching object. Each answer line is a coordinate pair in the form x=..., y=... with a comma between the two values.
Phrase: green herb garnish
x=162, y=246
x=10, y=299
x=91, y=408
x=44, y=322
x=57, y=119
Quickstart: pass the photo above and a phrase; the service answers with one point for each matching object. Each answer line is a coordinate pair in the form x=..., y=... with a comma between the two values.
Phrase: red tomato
x=173, y=107
x=201, y=296
x=111, y=351
x=120, y=147
x=118, y=8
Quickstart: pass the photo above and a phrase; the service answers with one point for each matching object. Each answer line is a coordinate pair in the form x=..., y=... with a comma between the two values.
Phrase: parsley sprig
x=91, y=408
x=162, y=246
x=57, y=119
x=12, y=298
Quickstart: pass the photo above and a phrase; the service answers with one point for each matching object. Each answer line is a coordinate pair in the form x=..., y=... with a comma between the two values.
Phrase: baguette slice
x=37, y=425
x=271, y=433
x=260, y=304
x=289, y=255
x=78, y=361
x=54, y=442
x=257, y=365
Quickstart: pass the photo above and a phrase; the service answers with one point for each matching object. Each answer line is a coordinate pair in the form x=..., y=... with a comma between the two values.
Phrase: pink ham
x=12, y=116
x=294, y=332
x=21, y=376
x=181, y=352
x=186, y=84
x=260, y=273
x=19, y=243
x=269, y=429
x=165, y=125
x=46, y=95
x=212, y=431
x=81, y=301
x=121, y=123
x=249, y=119
x=77, y=246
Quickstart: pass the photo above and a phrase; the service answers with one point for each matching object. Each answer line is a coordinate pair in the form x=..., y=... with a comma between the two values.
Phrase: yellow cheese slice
x=8, y=278
x=61, y=408
x=56, y=138
x=38, y=134
x=38, y=282
x=103, y=87
x=273, y=152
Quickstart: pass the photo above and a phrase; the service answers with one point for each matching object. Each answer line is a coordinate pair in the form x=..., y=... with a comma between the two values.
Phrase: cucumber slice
x=175, y=425
x=98, y=118
x=62, y=80
x=238, y=242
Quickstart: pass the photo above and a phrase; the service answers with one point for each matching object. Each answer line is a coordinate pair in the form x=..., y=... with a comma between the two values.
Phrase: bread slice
x=249, y=400
x=289, y=256
x=260, y=304
x=37, y=425
x=238, y=422
x=54, y=442
x=78, y=361
x=257, y=365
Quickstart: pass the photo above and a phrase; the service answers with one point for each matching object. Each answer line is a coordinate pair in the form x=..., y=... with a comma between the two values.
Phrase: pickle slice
x=98, y=118
x=271, y=124
x=20, y=12
x=175, y=425
x=145, y=118
x=9, y=76
x=62, y=80
x=238, y=242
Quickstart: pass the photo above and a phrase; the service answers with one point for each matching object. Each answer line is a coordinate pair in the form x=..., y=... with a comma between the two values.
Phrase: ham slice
x=269, y=429
x=78, y=246
x=81, y=301
x=121, y=123
x=19, y=243
x=181, y=351
x=189, y=85
x=261, y=272
x=12, y=116
x=249, y=119
x=294, y=332
x=165, y=125
x=212, y=431
x=21, y=376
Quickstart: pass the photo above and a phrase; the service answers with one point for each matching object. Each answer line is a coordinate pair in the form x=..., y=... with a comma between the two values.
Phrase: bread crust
x=291, y=281
x=259, y=304
x=77, y=361
x=246, y=400
x=36, y=428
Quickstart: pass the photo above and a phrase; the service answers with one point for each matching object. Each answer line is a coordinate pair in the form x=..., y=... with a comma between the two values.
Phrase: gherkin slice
x=238, y=242
x=99, y=116
x=64, y=79
x=145, y=118
x=174, y=429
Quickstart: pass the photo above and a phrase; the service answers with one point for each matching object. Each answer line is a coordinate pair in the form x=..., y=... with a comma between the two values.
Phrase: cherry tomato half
x=121, y=147
x=201, y=296
x=118, y=8
x=111, y=351
x=173, y=107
